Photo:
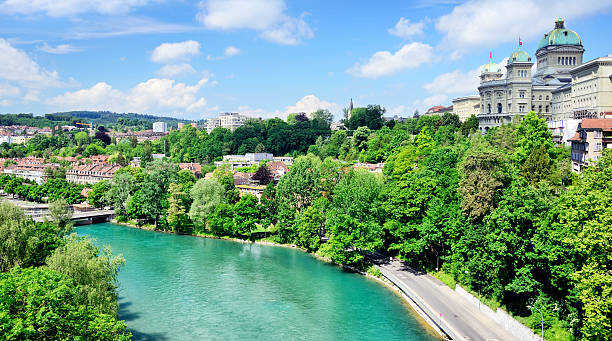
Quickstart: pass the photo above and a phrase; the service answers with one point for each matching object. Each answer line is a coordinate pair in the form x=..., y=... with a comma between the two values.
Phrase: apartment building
x=229, y=121
x=92, y=173
x=592, y=136
x=251, y=159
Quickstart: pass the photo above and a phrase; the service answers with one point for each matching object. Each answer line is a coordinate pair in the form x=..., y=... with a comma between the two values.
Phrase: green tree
x=61, y=216
x=532, y=133
x=42, y=304
x=94, y=270
x=310, y=226
x=247, y=214
x=97, y=197
x=178, y=201
x=22, y=242
x=146, y=156
x=538, y=165
x=206, y=194
x=354, y=225
x=483, y=172
x=221, y=220
x=297, y=190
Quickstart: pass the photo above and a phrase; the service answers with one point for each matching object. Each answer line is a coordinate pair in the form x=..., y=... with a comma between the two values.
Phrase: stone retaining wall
x=502, y=318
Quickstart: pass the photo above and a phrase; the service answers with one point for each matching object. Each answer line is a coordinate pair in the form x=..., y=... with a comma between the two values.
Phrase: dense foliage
x=54, y=287
x=501, y=214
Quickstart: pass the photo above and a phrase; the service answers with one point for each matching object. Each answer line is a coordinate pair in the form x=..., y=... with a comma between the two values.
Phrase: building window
x=489, y=108
x=540, y=108
x=521, y=108
x=499, y=108
x=540, y=98
x=547, y=97
x=597, y=134
x=522, y=94
x=598, y=147
x=547, y=108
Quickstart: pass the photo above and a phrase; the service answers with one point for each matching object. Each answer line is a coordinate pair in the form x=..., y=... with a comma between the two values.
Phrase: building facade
x=503, y=98
x=251, y=159
x=229, y=121
x=92, y=173
x=160, y=127
x=464, y=107
x=31, y=168
x=592, y=137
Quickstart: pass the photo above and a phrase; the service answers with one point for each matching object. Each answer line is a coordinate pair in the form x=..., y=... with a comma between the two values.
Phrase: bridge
x=81, y=217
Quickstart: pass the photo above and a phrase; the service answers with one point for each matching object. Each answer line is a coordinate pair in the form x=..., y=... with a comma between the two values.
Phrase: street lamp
x=542, y=315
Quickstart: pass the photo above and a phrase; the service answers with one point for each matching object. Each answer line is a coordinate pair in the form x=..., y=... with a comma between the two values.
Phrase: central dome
x=491, y=68
x=560, y=36
x=519, y=56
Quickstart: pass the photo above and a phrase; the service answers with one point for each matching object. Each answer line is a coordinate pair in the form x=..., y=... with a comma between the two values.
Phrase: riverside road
x=453, y=313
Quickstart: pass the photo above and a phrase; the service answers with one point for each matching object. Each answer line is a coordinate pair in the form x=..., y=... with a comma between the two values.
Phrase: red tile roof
x=597, y=123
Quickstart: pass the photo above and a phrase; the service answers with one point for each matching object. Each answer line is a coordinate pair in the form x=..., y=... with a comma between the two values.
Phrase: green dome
x=519, y=56
x=491, y=68
x=560, y=36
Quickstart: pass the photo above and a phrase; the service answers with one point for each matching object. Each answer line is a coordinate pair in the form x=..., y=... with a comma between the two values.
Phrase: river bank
x=413, y=308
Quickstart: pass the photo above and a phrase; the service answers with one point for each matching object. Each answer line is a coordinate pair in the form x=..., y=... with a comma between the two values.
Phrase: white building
x=91, y=173
x=464, y=107
x=160, y=127
x=229, y=121
x=251, y=159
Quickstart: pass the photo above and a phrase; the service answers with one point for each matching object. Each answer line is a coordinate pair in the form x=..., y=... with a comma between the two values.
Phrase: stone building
x=563, y=89
x=464, y=107
x=503, y=98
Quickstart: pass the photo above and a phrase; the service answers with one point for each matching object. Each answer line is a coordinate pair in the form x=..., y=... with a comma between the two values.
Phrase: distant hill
x=99, y=118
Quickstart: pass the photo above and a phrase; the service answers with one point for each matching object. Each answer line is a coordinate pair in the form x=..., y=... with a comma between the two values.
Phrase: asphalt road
x=452, y=312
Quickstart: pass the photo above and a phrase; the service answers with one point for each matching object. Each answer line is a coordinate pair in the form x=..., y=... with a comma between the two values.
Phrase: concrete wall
x=502, y=318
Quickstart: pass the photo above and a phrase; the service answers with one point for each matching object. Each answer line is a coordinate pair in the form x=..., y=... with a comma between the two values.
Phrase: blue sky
x=266, y=58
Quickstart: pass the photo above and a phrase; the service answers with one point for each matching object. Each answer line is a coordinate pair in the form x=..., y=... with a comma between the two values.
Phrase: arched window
x=499, y=108
x=489, y=108
x=540, y=108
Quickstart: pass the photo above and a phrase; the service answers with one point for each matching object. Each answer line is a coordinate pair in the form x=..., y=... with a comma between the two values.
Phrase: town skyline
x=206, y=58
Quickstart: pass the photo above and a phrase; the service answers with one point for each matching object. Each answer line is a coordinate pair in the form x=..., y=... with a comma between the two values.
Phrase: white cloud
x=231, y=51
x=59, y=49
x=175, y=70
x=291, y=31
x=310, y=104
x=172, y=52
x=67, y=8
x=459, y=82
x=402, y=110
x=264, y=16
x=385, y=63
x=406, y=29
x=489, y=23
x=8, y=93
x=117, y=26
x=18, y=67
x=428, y=102
x=153, y=96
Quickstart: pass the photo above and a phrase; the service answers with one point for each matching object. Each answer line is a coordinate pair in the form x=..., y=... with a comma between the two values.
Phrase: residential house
x=592, y=137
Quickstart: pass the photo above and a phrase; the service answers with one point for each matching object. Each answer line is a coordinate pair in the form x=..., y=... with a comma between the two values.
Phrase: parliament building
x=562, y=88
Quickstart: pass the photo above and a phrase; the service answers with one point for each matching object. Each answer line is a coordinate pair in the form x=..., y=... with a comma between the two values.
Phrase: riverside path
x=446, y=309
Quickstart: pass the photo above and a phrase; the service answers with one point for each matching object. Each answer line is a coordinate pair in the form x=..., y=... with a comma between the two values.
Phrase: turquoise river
x=188, y=288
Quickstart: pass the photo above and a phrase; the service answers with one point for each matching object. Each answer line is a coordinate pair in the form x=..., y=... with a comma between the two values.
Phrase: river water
x=188, y=288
